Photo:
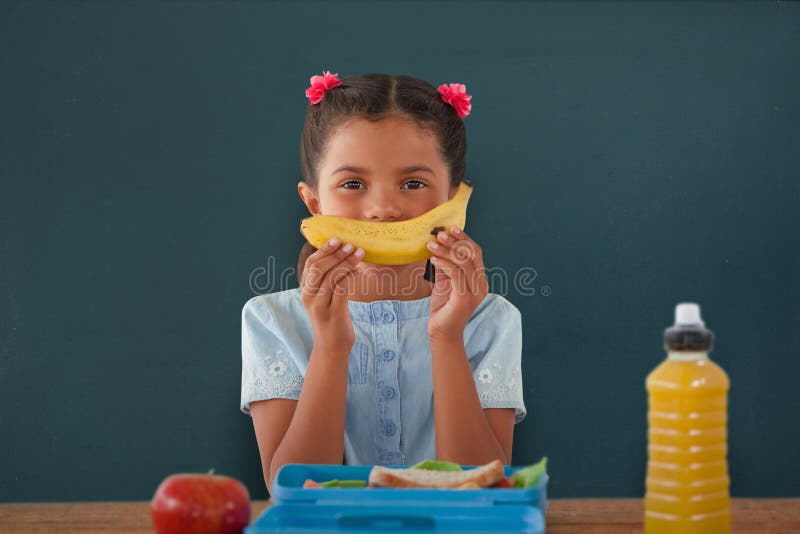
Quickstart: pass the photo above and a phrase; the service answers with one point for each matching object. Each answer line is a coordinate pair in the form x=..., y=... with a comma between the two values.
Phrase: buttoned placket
x=385, y=320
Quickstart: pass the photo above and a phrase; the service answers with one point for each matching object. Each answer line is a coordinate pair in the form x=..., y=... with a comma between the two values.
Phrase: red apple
x=200, y=503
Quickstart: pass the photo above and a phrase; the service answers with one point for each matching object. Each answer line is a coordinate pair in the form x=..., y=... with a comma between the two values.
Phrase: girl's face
x=384, y=171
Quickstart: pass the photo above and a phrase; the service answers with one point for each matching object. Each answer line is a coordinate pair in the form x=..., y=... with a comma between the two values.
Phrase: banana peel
x=391, y=243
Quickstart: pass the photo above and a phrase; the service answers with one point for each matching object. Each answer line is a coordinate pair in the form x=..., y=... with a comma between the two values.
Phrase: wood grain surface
x=587, y=516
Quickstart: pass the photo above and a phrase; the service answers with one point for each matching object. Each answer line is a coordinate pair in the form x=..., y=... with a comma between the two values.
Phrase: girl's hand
x=324, y=285
x=461, y=284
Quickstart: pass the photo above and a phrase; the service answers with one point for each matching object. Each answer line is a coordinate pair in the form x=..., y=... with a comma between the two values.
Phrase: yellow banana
x=390, y=243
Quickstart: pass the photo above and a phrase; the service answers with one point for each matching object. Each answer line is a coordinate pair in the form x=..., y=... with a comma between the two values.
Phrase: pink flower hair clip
x=320, y=85
x=456, y=95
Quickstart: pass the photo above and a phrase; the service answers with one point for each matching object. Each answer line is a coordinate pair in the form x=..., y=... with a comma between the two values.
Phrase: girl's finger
x=317, y=269
x=329, y=247
x=459, y=235
x=330, y=254
x=459, y=254
x=459, y=251
x=330, y=285
x=463, y=252
x=458, y=277
x=312, y=261
x=345, y=267
x=340, y=294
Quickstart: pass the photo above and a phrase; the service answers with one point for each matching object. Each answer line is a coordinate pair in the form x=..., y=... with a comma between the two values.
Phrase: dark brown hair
x=375, y=97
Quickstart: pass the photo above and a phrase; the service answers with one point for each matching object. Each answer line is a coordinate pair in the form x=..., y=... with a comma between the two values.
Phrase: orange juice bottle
x=687, y=485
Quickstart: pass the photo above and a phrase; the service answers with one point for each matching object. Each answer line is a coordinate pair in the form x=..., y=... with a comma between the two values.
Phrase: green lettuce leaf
x=528, y=477
x=344, y=484
x=434, y=465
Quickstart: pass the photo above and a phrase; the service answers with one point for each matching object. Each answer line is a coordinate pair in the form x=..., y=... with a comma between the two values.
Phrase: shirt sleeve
x=495, y=353
x=268, y=369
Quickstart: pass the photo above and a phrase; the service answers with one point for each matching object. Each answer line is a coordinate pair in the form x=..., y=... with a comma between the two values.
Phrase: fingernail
x=334, y=242
x=432, y=245
x=443, y=236
x=347, y=248
x=456, y=230
x=359, y=253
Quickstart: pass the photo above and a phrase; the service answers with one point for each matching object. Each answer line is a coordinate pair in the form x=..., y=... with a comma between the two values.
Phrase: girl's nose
x=383, y=209
x=384, y=214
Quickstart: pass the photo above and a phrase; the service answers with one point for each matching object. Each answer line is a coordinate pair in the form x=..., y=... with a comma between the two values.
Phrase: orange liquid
x=687, y=486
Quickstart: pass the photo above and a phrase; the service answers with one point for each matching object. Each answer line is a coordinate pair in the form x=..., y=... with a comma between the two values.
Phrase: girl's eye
x=415, y=182
x=419, y=184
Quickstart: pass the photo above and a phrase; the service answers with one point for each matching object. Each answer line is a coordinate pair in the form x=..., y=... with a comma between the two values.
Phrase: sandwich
x=444, y=475
x=416, y=477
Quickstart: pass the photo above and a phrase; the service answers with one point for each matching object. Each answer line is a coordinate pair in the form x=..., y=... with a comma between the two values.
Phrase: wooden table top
x=588, y=516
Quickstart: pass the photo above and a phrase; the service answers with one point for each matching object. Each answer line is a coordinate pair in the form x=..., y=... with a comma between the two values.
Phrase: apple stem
x=211, y=472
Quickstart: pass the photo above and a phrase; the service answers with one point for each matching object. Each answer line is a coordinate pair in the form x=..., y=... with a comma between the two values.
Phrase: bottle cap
x=689, y=333
x=688, y=313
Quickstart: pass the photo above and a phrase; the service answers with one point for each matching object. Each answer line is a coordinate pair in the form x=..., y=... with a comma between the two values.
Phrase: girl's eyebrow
x=402, y=170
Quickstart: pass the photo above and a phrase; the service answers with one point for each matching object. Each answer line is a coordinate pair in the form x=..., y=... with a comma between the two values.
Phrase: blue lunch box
x=362, y=510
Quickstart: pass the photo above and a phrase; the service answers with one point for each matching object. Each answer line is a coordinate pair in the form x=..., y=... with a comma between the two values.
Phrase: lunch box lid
x=297, y=518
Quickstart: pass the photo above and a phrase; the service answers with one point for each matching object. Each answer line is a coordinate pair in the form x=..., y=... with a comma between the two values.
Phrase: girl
x=372, y=364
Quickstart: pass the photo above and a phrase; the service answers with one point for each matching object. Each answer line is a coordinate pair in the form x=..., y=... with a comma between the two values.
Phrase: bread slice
x=481, y=477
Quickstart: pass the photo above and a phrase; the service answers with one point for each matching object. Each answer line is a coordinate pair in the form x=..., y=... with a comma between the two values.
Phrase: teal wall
x=632, y=155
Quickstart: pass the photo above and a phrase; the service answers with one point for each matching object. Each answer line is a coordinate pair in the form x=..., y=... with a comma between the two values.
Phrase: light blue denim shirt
x=389, y=410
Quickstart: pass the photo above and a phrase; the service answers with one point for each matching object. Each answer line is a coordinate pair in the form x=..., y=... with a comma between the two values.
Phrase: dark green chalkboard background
x=631, y=155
